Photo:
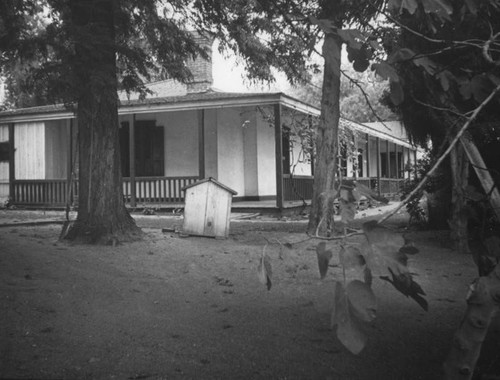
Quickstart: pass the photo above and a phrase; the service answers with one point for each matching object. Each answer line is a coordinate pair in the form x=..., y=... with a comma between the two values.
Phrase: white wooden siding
x=29, y=139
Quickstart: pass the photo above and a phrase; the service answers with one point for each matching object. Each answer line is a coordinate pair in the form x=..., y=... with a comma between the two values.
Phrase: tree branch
x=424, y=180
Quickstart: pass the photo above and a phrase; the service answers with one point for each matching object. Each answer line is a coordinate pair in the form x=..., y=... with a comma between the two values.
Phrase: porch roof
x=202, y=100
x=194, y=101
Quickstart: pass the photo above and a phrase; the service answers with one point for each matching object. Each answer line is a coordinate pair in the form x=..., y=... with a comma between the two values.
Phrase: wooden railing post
x=12, y=163
x=132, y=161
x=279, y=155
x=379, y=166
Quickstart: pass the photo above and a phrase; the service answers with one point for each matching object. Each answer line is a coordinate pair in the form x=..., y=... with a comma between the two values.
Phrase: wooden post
x=279, y=155
x=132, y=161
x=403, y=161
x=69, y=164
x=398, y=176
x=12, y=163
x=388, y=158
x=368, y=153
x=379, y=166
x=201, y=143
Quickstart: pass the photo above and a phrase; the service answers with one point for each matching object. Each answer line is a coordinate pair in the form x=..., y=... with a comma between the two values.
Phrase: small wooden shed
x=207, y=208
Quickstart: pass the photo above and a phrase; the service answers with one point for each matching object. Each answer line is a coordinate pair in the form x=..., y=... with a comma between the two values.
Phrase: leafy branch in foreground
x=355, y=304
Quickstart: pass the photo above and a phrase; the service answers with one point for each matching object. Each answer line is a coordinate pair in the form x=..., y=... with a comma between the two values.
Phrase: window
x=149, y=149
x=4, y=151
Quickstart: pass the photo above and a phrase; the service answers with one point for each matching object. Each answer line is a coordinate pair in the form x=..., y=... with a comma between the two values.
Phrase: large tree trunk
x=102, y=216
x=321, y=216
x=458, y=213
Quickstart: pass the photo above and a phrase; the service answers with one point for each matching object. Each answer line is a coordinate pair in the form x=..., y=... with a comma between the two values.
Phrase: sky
x=229, y=75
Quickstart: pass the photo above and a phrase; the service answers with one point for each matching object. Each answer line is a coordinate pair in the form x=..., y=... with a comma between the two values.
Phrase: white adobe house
x=188, y=132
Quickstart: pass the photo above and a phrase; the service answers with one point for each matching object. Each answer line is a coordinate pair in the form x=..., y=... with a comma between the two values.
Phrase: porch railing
x=157, y=189
x=296, y=188
x=46, y=192
x=301, y=187
x=54, y=192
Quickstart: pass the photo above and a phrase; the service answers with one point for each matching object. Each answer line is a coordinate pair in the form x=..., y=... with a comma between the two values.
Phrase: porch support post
x=201, y=143
x=403, y=163
x=12, y=163
x=132, y=161
x=367, y=155
x=379, y=166
x=69, y=164
x=279, y=155
x=388, y=159
x=396, y=151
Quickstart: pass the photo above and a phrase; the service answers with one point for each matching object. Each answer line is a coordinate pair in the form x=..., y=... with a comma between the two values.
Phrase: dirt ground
x=172, y=307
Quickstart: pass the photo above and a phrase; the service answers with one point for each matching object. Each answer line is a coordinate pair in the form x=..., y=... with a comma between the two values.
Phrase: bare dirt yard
x=172, y=307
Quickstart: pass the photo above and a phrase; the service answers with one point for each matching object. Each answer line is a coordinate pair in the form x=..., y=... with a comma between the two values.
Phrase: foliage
x=383, y=252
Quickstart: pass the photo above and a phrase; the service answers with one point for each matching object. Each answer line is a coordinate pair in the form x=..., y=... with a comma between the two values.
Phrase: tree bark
x=458, y=214
x=102, y=216
x=321, y=216
x=483, y=302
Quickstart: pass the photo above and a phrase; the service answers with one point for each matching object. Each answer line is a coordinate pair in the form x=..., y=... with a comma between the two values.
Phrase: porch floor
x=264, y=206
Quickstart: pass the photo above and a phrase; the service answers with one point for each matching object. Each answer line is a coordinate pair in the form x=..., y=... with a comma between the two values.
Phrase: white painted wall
x=29, y=139
x=266, y=163
x=56, y=149
x=181, y=142
x=180, y=139
x=250, y=151
x=230, y=154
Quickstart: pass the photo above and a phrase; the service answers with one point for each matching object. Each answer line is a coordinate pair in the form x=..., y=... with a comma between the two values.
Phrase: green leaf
x=410, y=5
x=492, y=245
x=445, y=77
x=350, y=257
x=397, y=94
x=441, y=8
x=324, y=257
x=362, y=300
x=465, y=88
x=481, y=87
x=400, y=55
x=351, y=37
x=325, y=25
x=385, y=71
x=264, y=271
x=471, y=5
x=351, y=335
x=349, y=330
x=383, y=249
x=426, y=63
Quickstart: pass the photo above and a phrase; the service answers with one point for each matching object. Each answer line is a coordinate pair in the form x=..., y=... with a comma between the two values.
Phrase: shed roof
x=210, y=179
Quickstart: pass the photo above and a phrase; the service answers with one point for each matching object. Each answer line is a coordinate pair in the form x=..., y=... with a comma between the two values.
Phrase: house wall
x=181, y=141
x=4, y=166
x=56, y=149
x=249, y=123
x=29, y=139
x=230, y=152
